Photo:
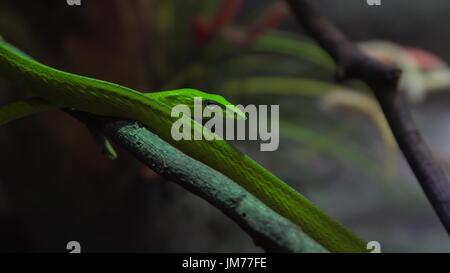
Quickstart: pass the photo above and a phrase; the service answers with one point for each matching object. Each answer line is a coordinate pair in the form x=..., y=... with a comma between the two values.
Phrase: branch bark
x=268, y=229
x=383, y=80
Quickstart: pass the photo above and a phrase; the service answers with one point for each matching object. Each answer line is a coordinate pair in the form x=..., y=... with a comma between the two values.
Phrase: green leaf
x=280, y=86
x=294, y=46
x=329, y=145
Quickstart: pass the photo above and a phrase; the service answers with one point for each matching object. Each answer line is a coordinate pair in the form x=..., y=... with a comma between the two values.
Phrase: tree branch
x=383, y=80
x=268, y=229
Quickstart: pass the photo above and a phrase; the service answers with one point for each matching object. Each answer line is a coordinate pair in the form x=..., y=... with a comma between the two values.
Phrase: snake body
x=57, y=89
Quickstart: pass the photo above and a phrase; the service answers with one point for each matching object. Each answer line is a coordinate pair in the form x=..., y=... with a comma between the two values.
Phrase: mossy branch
x=268, y=229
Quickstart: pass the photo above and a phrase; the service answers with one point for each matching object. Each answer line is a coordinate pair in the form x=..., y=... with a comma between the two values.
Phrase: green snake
x=58, y=89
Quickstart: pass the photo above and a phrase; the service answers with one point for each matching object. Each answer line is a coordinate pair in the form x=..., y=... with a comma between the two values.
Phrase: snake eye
x=211, y=104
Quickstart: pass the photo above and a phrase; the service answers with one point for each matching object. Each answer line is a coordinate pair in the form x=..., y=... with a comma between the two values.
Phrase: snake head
x=192, y=98
x=230, y=110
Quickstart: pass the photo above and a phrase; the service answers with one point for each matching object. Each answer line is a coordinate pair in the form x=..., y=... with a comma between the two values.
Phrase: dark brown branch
x=383, y=80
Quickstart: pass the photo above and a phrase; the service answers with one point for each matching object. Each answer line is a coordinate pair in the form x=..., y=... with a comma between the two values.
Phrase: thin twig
x=383, y=80
x=268, y=229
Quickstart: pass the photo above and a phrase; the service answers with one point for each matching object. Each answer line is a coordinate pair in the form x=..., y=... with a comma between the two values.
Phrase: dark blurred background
x=56, y=186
